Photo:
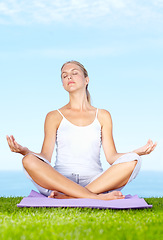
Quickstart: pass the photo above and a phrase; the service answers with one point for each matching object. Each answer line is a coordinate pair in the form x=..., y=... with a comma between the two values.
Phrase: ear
x=87, y=80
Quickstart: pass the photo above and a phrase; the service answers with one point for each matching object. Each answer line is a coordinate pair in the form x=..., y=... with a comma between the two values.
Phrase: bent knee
x=133, y=163
x=28, y=161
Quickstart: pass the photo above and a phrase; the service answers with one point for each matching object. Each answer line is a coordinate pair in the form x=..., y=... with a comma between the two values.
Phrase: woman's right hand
x=15, y=147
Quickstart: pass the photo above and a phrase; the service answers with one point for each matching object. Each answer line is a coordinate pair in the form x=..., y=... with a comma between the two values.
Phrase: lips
x=70, y=83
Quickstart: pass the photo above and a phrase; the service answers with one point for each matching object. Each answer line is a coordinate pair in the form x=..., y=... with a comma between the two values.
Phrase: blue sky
x=119, y=42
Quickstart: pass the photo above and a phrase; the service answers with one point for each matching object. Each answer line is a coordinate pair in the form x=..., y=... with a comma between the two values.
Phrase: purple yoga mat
x=36, y=199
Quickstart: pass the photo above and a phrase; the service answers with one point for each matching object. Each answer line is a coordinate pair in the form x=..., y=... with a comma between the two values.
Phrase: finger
x=17, y=146
x=12, y=137
x=150, y=142
x=9, y=141
x=154, y=146
x=12, y=145
x=151, y=149
x=147, y=148
x=12, y=140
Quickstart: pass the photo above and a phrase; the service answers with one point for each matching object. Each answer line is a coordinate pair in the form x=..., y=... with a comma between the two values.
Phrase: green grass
x=77, y=223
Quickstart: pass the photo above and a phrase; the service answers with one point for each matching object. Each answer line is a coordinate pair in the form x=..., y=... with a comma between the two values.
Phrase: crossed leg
x=47, y=177
x=113, y=178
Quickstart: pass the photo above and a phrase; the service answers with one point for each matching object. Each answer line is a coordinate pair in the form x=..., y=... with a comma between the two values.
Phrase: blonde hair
x=85, y=75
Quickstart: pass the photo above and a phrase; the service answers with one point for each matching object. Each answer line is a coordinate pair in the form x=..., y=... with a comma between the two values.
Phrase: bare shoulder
x=104, y=114
x=53, y=115
x=104, y=117
x=53, y=118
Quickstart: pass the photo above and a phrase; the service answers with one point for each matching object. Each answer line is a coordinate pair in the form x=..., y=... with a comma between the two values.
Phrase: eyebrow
x=71, y=70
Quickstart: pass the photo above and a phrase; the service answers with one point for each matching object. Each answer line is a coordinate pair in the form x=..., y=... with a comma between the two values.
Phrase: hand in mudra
x=147, y=149
x=15, y=147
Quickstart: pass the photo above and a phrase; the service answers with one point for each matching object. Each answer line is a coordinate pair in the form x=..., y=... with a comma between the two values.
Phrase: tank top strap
x=60, y=113
x=63, y=116
x=96, y=112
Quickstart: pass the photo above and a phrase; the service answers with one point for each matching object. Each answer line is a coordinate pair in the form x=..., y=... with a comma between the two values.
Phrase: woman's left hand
x=147, y=149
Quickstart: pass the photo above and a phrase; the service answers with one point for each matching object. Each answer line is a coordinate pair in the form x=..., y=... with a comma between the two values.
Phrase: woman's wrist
x=137, y=152
x=25, y=151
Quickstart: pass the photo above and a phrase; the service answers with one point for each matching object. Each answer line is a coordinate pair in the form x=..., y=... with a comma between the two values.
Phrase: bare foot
x=58, y=195
x=111, y=195
x=102, y=196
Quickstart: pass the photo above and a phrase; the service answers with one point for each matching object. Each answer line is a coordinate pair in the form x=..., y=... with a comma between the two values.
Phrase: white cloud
x=62, y=52
x=82, y=11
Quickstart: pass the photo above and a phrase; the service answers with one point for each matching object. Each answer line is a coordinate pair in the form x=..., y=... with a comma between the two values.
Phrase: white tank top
x=78, y=148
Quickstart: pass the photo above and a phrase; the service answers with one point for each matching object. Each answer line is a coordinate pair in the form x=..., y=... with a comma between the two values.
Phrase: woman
x=79, y=129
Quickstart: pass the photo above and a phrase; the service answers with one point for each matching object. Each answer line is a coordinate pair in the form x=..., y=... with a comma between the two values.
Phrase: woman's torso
x=78, y=148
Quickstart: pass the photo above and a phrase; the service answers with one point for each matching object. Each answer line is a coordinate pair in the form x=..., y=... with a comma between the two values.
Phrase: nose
x=69, y=76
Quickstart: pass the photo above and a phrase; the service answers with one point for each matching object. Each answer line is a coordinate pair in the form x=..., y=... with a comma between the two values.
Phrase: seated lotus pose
x=79, y=130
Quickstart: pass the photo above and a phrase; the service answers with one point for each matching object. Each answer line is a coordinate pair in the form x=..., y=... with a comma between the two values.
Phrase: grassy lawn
x=77, y=223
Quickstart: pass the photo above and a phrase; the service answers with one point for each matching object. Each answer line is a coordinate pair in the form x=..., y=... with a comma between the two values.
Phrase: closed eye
x=73, y=72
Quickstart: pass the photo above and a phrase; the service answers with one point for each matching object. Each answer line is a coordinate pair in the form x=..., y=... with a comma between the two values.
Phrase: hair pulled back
x=85, y=75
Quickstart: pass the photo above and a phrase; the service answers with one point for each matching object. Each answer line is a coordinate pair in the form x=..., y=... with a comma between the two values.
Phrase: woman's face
x=73, y=77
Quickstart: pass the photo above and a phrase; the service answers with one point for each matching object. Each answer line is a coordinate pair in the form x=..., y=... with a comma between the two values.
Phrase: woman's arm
x=107, y=136
x=52, y=122
x=109, y=148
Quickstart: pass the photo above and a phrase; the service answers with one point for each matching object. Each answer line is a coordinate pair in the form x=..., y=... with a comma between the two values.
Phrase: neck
x=78, y=101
